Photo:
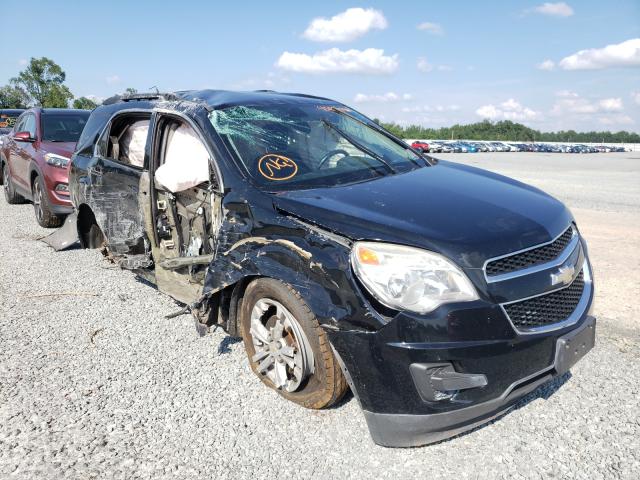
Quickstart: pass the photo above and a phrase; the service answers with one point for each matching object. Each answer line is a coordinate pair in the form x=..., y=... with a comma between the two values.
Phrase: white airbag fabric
x=186, y=162
x=133, y=142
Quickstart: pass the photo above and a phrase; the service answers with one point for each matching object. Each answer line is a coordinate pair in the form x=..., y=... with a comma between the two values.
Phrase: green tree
x=58, y=96
x=130, y=91
x=13, y=97
x=84, y=103
x=43, y=81
x=508, y=131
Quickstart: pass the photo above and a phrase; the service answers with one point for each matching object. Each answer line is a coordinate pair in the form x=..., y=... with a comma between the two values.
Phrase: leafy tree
x=508, y=131
x=58, y=96
x=13, y=97
x=43, y=81
x=84, y=103
x=130, y=91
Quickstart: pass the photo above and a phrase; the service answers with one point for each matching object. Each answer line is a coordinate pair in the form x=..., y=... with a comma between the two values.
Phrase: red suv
x=35, y=159
x=420, y=146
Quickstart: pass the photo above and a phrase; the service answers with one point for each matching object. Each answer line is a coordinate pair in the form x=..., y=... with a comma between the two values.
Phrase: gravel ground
x=96, y=383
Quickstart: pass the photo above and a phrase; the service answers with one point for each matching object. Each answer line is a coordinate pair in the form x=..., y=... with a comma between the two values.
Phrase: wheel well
x=34, y=175
x=230, y=299
x=86, y=218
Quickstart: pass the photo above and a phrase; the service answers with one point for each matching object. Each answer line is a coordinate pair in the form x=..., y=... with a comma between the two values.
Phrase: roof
x=217, y=99
x=63, y=110
x=12, y=110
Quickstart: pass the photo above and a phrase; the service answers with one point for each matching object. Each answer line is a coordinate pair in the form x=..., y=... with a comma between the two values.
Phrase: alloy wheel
x=6, y=181
x=37, y=200
x=282, y=351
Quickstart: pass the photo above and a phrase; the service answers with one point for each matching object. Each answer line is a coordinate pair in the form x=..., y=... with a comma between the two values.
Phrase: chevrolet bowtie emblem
x=563, y=276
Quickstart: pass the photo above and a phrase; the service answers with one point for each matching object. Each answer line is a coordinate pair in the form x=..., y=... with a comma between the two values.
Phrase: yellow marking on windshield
x=277, y=167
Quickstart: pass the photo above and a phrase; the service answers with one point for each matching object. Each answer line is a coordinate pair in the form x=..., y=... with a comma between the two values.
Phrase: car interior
x=181, y=209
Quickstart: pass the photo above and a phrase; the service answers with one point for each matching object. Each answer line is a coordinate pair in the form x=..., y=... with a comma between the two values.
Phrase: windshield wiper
x=359, y=146
x=380, y=131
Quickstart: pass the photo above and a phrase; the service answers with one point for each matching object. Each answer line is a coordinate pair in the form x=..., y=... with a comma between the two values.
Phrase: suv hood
x=65, y=149
x=462, y=212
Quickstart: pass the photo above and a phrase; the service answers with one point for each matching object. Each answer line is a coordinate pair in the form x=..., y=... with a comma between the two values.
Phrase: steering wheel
x=330, y=154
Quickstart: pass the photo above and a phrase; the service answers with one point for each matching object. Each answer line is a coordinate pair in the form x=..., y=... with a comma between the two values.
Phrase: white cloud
x=546, y=65
x=625, y=54
x=384, y=98
x=22, y=62
x=616, y=120
x=570, y=103
x=429, y=108
x=270, y=81
x=334, y=60
x=433, y=28
x=566, y=93
x=508, y=110
x=424, y=66
x=112, y=79
x=560, y=9
x=345, y=26
x=611, y=105
x=636, y=97
x=95, y=98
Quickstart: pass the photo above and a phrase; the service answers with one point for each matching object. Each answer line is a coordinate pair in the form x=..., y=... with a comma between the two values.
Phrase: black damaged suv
x=440, y=293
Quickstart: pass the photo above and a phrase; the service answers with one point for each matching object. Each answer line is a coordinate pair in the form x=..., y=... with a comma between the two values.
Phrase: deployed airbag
x=133, y=142
x=186, y=161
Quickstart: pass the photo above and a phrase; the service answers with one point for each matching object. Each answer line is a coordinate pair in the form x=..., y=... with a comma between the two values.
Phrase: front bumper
x=378, y=367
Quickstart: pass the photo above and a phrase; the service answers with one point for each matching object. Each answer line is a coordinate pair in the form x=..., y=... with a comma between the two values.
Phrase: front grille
x=547, y=309
x=532, y=257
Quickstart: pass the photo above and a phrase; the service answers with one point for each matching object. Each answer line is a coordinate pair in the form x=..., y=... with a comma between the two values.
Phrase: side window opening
x=125, y=140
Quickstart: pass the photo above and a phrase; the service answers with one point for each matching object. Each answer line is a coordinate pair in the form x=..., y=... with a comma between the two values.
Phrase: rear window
x=63, y=127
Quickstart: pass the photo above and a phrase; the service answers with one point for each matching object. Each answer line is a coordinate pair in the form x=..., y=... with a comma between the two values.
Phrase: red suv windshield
x=63, y=127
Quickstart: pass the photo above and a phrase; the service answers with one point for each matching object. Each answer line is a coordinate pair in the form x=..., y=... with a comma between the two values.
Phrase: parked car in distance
x=35, y=158
x=471, y=148
x=283, y=218
x=446, y=148
x=435, y=147
x=8, y=117
x=420, y=146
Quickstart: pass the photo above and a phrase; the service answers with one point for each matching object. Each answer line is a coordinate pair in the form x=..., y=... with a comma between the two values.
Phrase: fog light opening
x=62, y=188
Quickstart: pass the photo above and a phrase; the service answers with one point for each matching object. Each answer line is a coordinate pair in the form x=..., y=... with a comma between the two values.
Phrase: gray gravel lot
x=96, y=383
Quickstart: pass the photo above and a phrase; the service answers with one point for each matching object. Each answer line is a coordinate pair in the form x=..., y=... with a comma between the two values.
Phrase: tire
x=45, y=217
x=9, y=190
x=94, y=237
x=312, y=376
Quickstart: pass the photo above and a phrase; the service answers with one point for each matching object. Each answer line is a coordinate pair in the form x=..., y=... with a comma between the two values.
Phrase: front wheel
x=287, y=348
x=45, y=217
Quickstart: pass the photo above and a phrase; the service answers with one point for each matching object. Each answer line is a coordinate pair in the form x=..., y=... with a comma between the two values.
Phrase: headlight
x=407, y=278
x=56, y=160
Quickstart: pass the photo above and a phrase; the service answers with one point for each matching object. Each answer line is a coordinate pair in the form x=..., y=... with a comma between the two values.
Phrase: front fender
x=315, y=265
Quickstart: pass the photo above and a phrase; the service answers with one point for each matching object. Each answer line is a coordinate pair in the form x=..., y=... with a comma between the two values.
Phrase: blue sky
x=430, y=63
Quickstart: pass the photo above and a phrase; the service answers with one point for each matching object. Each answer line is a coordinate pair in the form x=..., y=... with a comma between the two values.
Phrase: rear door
x=115, y=178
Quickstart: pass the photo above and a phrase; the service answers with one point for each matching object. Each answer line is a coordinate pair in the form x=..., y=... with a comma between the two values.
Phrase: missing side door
x=181, y=210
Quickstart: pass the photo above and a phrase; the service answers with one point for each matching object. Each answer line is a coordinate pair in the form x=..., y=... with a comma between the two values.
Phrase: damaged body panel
x=438, y=293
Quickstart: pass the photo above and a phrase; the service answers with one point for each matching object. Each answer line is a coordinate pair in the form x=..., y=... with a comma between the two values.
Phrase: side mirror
x=23, y=137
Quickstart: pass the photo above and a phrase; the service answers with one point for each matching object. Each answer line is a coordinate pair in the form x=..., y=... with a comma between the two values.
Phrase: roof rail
x=140, y=96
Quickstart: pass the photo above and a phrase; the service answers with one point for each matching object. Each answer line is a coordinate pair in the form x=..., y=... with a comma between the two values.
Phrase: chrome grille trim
x=556, y=262
x=571, y=319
